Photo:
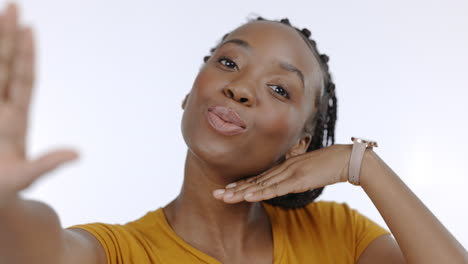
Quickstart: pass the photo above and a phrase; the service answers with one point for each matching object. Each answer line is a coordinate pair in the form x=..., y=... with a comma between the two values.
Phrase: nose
x=240, y=93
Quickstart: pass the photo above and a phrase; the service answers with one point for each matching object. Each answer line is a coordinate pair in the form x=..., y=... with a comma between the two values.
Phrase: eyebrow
x=284, y=65
x=239, y=42
x=291, y=68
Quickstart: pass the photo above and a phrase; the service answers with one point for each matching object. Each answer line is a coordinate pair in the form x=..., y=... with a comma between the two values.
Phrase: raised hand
x=297, y=174
x=16, y=84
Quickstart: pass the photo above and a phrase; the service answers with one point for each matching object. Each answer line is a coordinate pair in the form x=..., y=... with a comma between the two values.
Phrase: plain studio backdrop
x=112, y=76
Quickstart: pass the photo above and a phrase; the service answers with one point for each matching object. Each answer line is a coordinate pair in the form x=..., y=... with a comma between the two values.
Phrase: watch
x=359, y=147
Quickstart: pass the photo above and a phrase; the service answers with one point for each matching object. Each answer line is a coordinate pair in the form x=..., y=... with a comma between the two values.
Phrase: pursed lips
x=225, y=120
x=228, y=115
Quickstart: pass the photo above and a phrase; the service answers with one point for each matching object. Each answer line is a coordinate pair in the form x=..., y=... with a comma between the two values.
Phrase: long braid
x=323, y=122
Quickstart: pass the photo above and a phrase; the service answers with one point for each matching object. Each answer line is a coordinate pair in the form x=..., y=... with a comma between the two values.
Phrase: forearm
x=420, y=235
x=30, y=232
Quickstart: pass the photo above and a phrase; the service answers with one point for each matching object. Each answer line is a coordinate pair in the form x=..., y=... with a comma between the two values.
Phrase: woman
x=256, y=123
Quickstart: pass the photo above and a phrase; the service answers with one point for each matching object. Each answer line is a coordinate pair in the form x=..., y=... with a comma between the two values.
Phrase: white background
x=112, y=75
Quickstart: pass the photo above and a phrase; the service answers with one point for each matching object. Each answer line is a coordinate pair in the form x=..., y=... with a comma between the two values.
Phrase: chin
x=218, y=156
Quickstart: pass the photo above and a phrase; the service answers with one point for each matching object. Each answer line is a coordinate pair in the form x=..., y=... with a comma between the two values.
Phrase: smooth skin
x=232, y=230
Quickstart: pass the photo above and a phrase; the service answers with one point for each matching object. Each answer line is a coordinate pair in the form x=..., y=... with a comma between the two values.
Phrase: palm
x=13, y=126
x=16, y=84
x=12, y=147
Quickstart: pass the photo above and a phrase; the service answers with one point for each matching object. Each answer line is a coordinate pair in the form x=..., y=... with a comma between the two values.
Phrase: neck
x=203, y=221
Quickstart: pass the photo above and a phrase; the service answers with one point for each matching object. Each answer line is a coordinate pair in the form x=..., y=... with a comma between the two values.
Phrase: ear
x=184, y=102
x=300, y=147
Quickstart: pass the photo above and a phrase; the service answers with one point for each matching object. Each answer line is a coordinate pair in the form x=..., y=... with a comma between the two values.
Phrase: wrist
x=6, y=203
x=346, y=150
x=359, y=148
x=368, y=167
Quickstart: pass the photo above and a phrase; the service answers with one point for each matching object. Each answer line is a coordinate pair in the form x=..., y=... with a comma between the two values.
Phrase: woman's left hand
x=297, y=174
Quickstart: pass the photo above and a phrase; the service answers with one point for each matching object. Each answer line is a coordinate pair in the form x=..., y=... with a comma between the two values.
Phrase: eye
x=227, y=62
x=279, y=90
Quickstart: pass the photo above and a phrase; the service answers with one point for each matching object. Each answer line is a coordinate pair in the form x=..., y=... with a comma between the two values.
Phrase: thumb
x=46, y=163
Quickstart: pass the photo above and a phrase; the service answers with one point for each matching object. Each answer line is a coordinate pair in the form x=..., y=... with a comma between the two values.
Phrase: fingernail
x=231, y=185
x=218, y=192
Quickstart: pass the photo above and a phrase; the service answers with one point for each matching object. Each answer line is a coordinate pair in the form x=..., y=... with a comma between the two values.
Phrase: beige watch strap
x=355, y=161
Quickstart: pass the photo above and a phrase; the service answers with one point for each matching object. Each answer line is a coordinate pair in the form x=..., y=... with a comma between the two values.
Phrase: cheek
x=203, y=88
x=275, y=133
x=278, y=124
x=193, y=124
x=207, y=83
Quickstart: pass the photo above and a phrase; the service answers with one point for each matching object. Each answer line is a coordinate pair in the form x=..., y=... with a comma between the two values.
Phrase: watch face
x=368, y=142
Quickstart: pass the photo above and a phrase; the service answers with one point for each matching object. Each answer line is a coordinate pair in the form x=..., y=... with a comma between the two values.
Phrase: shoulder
x=328, y=223
x=100, y=229
x=119, y=241
x=323, y=213
x=325, y=220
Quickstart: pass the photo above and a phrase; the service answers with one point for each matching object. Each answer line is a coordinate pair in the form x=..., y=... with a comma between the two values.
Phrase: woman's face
x=266, y=73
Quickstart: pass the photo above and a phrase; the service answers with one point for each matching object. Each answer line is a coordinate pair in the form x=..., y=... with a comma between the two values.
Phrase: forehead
x=279, y=42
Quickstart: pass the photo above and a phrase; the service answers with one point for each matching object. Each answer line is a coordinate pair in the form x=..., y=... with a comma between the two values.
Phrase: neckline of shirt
x=278, y=236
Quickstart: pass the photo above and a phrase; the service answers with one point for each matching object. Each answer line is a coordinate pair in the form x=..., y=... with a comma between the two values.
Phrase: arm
x=30, y=232
x=420, y=236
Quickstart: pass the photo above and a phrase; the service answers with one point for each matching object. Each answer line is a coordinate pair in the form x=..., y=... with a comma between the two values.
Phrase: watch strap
x=357, y=153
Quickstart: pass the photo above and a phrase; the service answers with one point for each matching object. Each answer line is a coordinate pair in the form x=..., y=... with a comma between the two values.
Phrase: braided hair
x=322, y=124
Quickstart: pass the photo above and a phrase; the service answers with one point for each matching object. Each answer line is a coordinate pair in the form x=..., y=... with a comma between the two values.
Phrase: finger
x=234, y=192
x=242, y=184
x=22, y=78
x=289, y=185
x=218, y=193
x=248, y=180
x=260, y=179
x=235, y=197
x=7, y=45
x=3, y=66
x=44, y=164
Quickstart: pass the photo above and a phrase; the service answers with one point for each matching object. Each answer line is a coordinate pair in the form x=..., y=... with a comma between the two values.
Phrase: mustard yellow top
x=321, y=232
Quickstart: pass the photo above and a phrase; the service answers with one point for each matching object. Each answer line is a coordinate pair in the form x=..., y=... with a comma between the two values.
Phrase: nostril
x=230, y=94
x=243, y=100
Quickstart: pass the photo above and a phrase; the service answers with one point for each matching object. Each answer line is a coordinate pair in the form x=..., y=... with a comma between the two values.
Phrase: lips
x=227, y=115
x=225, y=120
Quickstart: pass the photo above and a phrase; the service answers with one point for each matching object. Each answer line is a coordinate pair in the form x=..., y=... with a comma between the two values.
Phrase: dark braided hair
x=323, y=123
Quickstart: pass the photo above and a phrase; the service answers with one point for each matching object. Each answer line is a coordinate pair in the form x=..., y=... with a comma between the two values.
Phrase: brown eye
x=227, y=63
x=279, y=90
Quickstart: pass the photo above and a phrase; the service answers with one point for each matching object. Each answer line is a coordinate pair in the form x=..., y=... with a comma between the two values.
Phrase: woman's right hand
x=16, y=84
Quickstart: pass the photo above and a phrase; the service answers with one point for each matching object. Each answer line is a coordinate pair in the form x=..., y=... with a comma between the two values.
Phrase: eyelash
x=284, y=90
x=228, y=60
